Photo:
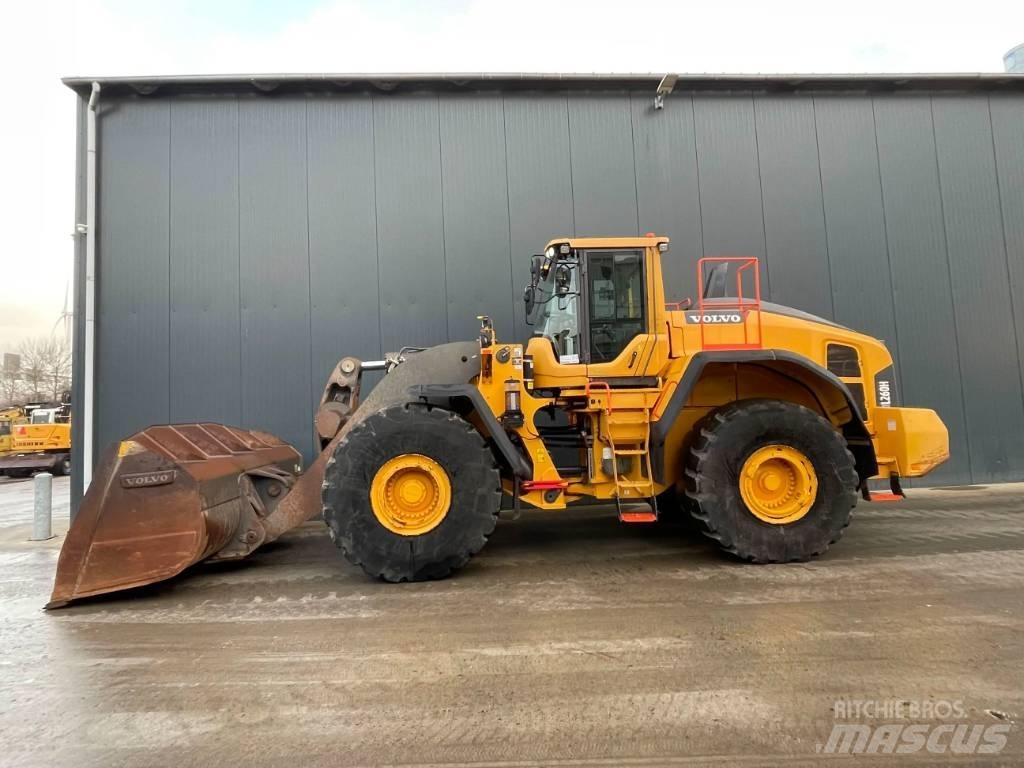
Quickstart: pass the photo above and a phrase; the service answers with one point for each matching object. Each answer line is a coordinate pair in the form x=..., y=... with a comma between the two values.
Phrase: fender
x=854, y=430
x=493, y=429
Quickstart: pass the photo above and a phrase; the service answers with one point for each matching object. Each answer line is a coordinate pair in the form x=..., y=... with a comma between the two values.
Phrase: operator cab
x=44, y=416
x=591, y=302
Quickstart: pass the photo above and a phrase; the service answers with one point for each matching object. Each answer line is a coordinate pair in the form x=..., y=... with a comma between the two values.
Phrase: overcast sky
x=41, y=41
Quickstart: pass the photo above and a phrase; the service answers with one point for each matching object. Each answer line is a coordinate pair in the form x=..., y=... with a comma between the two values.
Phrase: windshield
x=557, y=315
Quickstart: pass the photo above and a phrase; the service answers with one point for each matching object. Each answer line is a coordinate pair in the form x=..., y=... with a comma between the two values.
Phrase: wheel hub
x=778, y=484
x=410, y=494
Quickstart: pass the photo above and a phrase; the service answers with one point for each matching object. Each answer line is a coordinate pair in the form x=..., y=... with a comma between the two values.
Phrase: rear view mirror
x=530, y=292
x=563, y=279
x=535, y=265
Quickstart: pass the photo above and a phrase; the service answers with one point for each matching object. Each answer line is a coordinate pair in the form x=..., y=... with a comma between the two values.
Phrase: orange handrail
x=607, y=387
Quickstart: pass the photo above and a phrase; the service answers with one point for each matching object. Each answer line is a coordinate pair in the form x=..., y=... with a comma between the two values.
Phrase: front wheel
x=772, y=481
x=411, y=493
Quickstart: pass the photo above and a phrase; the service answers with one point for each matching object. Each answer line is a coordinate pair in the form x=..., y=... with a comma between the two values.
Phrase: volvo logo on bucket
x=148, y=479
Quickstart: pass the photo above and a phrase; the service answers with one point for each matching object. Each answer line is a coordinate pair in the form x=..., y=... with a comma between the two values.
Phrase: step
x=634, y=483
x=631, y=416
x=630, y=452
x=638, y=517
x=885, y=496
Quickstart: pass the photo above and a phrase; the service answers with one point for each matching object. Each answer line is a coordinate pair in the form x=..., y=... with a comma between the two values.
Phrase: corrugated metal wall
x=247, y=242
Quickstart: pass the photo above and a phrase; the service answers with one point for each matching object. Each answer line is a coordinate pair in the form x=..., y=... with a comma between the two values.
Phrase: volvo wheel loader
x=762, y=422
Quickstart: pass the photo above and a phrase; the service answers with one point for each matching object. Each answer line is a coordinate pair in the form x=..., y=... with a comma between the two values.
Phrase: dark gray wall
x=246, y=242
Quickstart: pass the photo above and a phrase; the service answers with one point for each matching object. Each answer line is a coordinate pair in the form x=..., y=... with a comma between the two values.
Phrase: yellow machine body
x=35, y=438
x=39, y=441
x=618, y=401
x=9, y=418
x=606, y=401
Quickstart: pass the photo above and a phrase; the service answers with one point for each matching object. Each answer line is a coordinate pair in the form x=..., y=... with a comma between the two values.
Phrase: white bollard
x=42, y=528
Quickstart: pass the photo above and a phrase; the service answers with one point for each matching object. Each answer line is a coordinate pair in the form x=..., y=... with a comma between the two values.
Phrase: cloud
x=546, y=36
x=118, y=37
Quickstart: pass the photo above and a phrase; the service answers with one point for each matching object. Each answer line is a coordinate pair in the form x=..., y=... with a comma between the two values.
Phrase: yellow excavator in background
x=762, y=422
x=40, y=440
x=8, y=418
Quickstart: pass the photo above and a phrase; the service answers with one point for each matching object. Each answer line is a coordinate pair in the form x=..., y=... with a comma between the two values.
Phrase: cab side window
x=616, y=305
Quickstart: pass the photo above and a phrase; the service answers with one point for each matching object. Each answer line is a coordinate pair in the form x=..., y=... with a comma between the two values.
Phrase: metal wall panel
x=730, y=184
x=794, y=219
x=274, y=263
x=245, y=245
x=1008, y=142
x=478, y=261
x=343, y=286
x=603, y=172
x=205, y=354
x=132, y=270
x=981, y=294
x=667, y=186
x=540, y=200
x=410, y=230
x=920, y=271
x=854, y=219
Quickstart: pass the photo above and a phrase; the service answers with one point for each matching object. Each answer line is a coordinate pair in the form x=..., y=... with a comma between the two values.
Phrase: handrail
x=740, y=304
x=607, y=387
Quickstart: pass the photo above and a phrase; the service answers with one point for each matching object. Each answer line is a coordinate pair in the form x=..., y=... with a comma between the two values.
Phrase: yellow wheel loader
x=762, y=422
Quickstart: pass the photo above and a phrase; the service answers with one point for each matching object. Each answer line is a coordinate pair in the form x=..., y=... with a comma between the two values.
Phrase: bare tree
x=10, y=386
x=45, y=367
x=59, y=369
x=33, y=367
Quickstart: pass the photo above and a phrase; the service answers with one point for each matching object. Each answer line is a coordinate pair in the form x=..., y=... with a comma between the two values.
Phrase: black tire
x=675, y=507
x=62, y=467
x=475, y=493
x=713, y=466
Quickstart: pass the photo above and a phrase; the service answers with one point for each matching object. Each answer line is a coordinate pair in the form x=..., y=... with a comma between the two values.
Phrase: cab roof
x=608, y=242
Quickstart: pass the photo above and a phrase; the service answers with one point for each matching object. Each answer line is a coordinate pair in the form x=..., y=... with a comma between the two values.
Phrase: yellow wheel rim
x=410, y=494
x=778, y=484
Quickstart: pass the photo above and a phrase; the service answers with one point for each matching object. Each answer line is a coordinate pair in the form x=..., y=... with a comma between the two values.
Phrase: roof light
x=668, y=82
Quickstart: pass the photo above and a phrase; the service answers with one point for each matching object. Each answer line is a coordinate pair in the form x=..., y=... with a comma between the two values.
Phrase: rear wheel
x=772, y=482
x=411, y=493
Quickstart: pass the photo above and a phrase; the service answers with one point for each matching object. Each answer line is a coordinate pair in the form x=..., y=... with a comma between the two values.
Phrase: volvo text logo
x=148, y=479
x=717, y=318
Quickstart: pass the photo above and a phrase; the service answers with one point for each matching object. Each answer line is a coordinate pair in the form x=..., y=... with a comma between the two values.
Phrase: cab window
x=616, y=301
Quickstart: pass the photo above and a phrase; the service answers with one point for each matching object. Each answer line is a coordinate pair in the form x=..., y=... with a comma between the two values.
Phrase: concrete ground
x=571, y=640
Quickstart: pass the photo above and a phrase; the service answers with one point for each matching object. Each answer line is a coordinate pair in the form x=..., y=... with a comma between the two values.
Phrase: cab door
x=617, y=339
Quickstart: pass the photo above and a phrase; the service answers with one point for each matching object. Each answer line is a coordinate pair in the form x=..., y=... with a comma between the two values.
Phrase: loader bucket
x=170, y=496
